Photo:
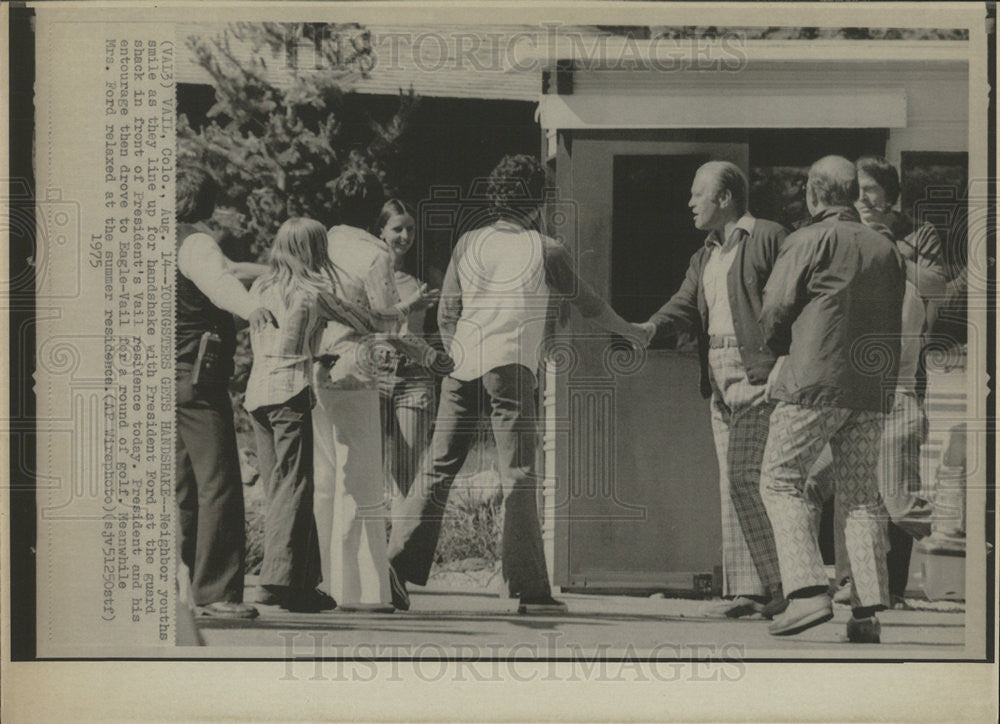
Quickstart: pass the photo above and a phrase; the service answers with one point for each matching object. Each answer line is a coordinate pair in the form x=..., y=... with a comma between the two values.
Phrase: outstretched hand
x=260, y=318
x=424, y=298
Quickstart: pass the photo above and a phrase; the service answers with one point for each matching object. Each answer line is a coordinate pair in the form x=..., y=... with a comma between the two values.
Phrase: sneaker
x=843, y=593
x=397, y=588
x=802, y=614
x=738, y=607
x=227, y=609
x=864, y=630
x=541, y=604
x=308, y=601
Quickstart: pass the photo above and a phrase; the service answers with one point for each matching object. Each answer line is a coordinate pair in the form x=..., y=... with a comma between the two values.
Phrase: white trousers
x=349, y=500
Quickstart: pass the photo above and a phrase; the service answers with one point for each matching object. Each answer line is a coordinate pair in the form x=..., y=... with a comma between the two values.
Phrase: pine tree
x=285, y=124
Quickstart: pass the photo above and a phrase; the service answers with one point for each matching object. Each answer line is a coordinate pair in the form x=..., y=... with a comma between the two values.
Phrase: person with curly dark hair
x=495, y=304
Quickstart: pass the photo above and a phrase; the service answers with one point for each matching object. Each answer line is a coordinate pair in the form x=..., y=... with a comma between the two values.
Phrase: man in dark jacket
x=905, y=427
x=719, y=301
x=833, y=305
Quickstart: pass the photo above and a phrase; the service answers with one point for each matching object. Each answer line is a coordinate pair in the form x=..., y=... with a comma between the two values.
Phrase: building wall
x=937, y=98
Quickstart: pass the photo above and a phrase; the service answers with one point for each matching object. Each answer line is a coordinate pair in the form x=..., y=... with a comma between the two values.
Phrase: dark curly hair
x=884, y=174
x=195, y=192
x=515, y=186
x=359, y=195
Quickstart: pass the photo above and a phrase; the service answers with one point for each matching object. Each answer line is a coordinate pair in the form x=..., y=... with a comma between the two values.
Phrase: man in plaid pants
x=718, y=301
x=833, y=305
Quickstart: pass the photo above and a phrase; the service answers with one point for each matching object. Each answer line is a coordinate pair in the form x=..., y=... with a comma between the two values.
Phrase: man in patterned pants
x=718, y=301
x=833, y=304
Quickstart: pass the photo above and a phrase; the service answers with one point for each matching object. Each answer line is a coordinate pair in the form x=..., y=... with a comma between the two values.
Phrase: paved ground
x=478, y=625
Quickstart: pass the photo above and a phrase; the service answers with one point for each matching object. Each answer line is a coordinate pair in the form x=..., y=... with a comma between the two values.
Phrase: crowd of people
x=810, y=344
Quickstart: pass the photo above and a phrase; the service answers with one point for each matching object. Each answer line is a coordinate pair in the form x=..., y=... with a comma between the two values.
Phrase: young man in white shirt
x=495, y=305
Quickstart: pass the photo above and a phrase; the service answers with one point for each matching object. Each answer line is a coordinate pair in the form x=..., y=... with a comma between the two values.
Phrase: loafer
x=738, y=607
x=308, y=601
x=227, y=609
x=802, y=614
x=541, y=604
x=843, y=593
x=774, y=607
x=397, y=589
x=864, y=630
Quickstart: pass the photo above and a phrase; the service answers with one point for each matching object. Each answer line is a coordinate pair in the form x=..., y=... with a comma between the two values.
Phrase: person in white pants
x=349, y=500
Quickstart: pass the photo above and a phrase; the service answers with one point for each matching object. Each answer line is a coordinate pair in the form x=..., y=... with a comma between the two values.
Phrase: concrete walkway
x=476, y=625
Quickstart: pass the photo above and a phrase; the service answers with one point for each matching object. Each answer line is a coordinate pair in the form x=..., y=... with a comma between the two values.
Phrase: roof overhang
x=752, y=107
x=603, y=52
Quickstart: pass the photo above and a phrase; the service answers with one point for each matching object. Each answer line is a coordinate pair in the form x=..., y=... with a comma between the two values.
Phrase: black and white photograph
x=527, y=344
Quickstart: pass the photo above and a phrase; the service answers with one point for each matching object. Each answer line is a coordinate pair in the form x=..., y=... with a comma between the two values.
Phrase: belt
x=720, y=341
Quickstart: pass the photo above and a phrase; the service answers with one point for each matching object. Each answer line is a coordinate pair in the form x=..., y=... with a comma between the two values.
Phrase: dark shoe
x=227, y=609
x=843, y=593
x=864, y=630
x=541, y=604
x=899, y=604
x=802, y=614
x=738, y=607
x=774, y=607
x=397, y=588
x=264, y=596
x=311, y=601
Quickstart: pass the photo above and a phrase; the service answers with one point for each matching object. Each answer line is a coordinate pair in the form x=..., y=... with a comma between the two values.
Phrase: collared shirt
x=720, y=259
x=687, y=309
x=282, y=355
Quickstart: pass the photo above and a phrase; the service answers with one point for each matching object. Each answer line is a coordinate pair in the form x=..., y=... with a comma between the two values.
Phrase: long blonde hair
x=299, y=259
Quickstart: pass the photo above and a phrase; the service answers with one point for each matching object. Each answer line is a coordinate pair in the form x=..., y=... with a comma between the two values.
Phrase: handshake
x=640, y=334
